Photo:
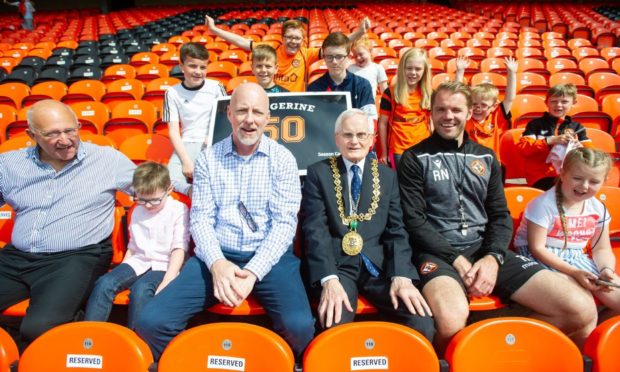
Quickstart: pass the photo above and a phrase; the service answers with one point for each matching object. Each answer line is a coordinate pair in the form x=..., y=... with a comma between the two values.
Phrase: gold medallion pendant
x=352, y=243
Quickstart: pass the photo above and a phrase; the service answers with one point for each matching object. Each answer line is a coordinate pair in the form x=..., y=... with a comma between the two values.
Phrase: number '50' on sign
x=290, y=129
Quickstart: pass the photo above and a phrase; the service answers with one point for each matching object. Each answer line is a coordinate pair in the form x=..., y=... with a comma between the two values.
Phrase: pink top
x=154, y=236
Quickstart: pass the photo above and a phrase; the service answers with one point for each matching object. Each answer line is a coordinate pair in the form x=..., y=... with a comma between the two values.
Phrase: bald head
x=44, y=110
x=248, y=114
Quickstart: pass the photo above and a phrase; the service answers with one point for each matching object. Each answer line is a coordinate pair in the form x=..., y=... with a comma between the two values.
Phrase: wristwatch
x=498, y=257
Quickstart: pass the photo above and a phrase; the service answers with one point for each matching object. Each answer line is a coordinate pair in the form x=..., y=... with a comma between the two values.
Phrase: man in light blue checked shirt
x=63, y=193
x=243, y=220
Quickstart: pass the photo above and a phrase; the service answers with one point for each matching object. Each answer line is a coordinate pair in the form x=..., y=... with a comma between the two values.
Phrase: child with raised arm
x=555, y=127
x=159, y=238
x=559, y=224
x=490, y=117
x=264, y=68
x=187, y=110
x=404, y=113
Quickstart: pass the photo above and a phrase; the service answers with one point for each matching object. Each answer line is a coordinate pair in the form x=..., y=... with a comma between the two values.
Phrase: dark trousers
x=57, y=284
x=355, y=279
x=281, y=293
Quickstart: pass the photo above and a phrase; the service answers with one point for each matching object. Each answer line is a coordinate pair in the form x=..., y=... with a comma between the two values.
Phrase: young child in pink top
x=159, y=238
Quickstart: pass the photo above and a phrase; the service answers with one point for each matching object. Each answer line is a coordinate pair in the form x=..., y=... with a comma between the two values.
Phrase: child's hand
x=586, y=279
x=511, y=64
x=209, y=22
x=462, y=63
x=365, y=25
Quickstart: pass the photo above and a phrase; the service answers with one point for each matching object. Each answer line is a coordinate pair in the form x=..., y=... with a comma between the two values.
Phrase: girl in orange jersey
x=405, y=108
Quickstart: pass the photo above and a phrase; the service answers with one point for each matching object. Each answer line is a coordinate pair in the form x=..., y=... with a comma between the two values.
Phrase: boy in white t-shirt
x=187, y=110
x=366, y=68
x=158, y=242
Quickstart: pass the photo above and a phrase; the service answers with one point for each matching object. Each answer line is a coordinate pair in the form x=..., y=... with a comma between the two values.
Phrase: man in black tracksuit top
x=456, y=215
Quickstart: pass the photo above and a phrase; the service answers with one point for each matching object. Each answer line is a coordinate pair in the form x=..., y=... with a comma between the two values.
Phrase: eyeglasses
x=360, y=136
x=293, y=38
x=335, y=57
x=69, y=132
x=153, y=202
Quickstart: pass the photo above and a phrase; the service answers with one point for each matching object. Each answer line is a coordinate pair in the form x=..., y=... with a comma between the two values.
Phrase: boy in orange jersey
x=490, y=117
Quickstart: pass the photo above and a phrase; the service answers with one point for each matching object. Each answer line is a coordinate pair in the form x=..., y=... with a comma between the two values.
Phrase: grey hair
x=30, y=114
x=352, y=112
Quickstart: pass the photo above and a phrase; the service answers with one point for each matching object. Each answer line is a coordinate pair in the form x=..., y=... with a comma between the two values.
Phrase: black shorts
x=515, y=271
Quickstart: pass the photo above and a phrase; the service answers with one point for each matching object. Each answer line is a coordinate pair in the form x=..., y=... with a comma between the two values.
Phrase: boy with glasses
x=336, y=48
x=159, y=237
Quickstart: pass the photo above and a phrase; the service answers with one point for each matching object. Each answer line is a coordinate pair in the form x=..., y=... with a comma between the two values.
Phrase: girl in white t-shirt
x=558, y=225
x=365, y=67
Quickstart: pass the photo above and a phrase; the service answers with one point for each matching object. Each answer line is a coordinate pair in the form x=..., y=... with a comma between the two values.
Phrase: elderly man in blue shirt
x=63, y=192
x=243, y=220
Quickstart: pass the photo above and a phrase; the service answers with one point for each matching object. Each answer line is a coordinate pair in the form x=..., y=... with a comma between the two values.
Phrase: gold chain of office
x=376, y=193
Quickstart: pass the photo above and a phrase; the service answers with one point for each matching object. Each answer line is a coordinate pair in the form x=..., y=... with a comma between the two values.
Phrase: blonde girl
x=405, y=108
x=559, y=224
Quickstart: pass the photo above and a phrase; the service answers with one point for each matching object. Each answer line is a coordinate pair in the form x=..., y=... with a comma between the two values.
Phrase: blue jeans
x=281, y=293
x=142, y=288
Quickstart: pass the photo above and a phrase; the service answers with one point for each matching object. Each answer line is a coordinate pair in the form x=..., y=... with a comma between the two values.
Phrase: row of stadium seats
x=508, y=344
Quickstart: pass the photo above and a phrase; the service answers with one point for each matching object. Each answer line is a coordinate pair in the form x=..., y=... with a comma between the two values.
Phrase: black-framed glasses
x=153, y=202
x=53, y=134
x=334, y=57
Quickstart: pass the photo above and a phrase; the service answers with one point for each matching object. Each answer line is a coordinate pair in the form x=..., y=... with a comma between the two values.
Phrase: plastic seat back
x=526, y=107
x=511, y=156
x=144, y=147
x=603, y=344
x=610, y=196
x=8, y=351
x=362, y=344
x=511, y=345
x=87, y=345
x=517, y=198
x=229, y=346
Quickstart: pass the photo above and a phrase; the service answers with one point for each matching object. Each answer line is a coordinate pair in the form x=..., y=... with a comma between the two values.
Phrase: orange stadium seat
x=222, y=71
x=87, y=345
x=610, y=196
x=130, y=118
x=17, y=143
x=562, y=65
x=7, y=220
x=586, y=112
x=92, y=116
x=122, y=90
x=17, y=127
x=441, y=78
x=526, y=107
x=151, y=71
x=611, y=106
x=13, y=93
x=84, y=90
x=387, y=345
x=171, y=59
x=162, y=48
x=156, y=89
x=245, y=69
x=8, y=114
x=604, y=83
x=254, y=348
x=118, y=71
x=517, y=198
x=8, y=352
x=592, y=65
x=603, y=344
x=512, y=344
x=236, y=81
x=532, y=83
x=144, y=58
x=45, y=90
x=235, y=56
x=512, y=159
x=601, y=140
x=143, y=147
